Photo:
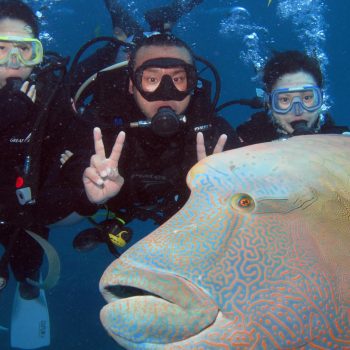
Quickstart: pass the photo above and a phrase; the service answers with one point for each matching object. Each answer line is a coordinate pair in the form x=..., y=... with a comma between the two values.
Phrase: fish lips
x=148, y=306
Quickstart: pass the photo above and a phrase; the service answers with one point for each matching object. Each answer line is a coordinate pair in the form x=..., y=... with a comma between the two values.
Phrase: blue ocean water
x=236, y=36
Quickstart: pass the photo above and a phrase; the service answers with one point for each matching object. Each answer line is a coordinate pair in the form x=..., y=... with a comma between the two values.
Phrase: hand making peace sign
x=201, y=152
x=102, y=180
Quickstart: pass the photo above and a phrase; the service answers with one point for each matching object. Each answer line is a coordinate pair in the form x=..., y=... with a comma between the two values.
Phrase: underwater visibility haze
x=237, y=36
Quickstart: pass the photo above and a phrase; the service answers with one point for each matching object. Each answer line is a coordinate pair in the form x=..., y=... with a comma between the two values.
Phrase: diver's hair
x=163, y=39
x=16, y=9
x=288, y=62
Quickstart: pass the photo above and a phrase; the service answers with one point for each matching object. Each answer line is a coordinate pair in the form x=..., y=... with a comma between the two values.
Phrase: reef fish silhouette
x=258, y=258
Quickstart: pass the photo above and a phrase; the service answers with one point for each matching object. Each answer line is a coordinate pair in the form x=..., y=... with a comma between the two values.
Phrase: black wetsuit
x=18, y=117
x=260, y=128
x=154, y=167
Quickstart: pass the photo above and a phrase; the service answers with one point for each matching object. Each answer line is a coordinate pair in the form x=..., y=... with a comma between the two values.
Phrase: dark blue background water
x=75, y=302
x=80, y=20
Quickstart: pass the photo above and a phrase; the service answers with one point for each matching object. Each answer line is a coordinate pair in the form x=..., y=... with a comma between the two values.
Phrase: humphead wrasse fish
x=258, y=258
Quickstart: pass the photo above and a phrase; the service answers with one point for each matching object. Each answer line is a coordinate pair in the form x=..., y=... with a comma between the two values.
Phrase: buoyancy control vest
x=25, y=134
x=154, y=167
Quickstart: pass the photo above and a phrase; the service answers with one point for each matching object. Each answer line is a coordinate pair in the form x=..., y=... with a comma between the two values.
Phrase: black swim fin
x=87, y=240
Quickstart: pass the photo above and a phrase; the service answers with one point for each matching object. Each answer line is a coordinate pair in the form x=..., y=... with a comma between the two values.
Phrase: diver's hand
x=201, y=153
x=29, y=91
x=102, y=180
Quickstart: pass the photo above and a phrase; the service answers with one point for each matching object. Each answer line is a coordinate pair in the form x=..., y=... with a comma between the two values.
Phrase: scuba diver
x=35, y=111
x=162, y=114
x=126, y=29
x=293, y=100
x=128, y=32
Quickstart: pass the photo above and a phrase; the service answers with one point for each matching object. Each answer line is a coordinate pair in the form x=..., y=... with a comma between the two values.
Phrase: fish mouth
x=151, y=306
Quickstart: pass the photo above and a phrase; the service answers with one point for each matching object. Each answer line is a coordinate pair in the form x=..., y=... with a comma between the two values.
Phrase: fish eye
x=242, y=201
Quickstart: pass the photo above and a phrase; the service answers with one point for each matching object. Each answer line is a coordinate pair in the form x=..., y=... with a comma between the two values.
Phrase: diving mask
x=296, y=99
x=16, y=52
x=165, y=79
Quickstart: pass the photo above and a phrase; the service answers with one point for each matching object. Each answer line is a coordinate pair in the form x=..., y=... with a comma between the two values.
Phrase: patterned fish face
x=257, y=259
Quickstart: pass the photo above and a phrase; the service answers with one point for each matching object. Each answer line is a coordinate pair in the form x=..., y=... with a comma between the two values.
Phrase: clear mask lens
x=296, y=100
x=16, y=52
x=165, y=79
x=151, y=78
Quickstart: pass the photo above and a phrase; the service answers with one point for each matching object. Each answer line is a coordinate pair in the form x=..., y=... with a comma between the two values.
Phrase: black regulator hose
x=254, y=102
x=217, y=81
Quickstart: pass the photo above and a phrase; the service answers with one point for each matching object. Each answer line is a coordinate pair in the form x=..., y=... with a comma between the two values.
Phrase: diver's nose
x=298, y=108
x=14, y=61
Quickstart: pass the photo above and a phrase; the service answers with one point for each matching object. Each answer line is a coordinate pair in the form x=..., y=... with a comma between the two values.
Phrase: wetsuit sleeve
x=15, y=107
x=61, y=192
x=329, y=126
x=79, y=140
x=74, y=168
x=221, y=126
x=257, y=129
